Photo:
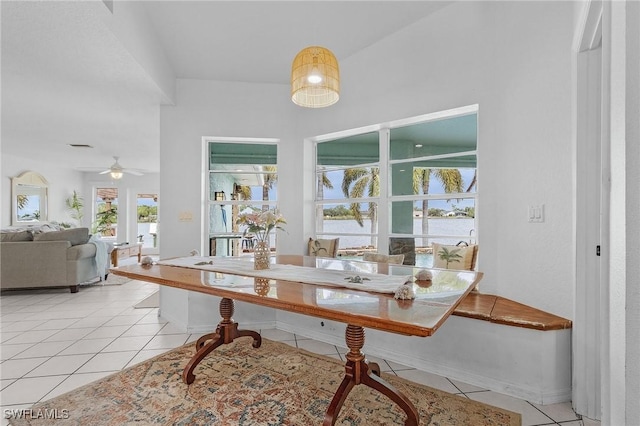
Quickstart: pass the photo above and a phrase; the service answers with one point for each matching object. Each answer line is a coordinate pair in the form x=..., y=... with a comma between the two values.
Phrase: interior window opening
x=243, y=179
x=106, y=213
x=147, y=221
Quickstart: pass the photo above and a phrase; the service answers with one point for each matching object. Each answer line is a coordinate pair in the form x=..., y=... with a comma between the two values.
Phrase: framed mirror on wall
x=29, y=199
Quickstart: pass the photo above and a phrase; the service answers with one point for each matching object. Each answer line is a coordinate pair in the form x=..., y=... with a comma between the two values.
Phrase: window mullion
x=348, y=200
x=433, y=157
x=384, y=206
x=452, y=196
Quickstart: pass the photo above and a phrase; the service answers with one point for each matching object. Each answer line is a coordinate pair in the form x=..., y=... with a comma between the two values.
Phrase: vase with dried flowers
x=260, y=224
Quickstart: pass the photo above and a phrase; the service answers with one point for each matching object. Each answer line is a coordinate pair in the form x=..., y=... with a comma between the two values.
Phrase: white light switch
x=536, y=213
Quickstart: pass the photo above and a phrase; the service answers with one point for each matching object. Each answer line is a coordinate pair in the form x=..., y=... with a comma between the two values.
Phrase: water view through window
x=424, y=192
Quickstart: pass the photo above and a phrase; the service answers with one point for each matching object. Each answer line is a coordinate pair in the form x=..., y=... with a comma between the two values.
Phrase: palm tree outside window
x=106, y=212
x=247, y=173
x=424, y=190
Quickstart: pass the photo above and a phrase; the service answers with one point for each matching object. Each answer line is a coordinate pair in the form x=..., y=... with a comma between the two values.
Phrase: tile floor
x=54, y=341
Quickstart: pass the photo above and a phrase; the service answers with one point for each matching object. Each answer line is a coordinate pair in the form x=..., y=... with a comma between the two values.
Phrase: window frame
x=207, y=203
x=95, y=209
x=385, y=164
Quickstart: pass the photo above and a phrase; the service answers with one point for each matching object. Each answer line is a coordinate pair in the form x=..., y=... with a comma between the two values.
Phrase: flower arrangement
x=261, y=223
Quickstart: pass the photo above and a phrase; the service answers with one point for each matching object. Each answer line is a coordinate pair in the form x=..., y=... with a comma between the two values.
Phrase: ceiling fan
x=116, y=170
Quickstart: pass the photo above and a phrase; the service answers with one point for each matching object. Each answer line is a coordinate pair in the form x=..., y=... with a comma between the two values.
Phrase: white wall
x=520, y=78
x=131, y=25
x=502, y=358
x=206, y=108
x=493, y=54
x=490, y=53
x=632, y=339
x=514, y=60
x=621, y=357
x=62, y=182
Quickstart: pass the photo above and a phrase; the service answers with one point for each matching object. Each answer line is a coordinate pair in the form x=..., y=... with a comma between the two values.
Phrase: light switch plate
x=535, y=213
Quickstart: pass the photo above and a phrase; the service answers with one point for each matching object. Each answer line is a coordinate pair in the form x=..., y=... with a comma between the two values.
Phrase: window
x=29, y=202
x=242, y=177
x=147, y=213
x=106, y=212
x=348, y=190
x=420, y=191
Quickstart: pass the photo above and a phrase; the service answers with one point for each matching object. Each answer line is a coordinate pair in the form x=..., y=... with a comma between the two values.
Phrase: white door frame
x=591, y=316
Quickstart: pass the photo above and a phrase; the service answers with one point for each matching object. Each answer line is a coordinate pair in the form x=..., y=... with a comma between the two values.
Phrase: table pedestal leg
x=357, y=372
x=225, y=333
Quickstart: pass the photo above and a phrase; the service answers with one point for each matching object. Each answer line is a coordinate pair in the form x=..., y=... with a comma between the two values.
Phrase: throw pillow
x=454, y=257
x=45, y=227
x=75, y=236
x=323, y=248
x=16, y=236
x=405, y=246
x=383, y=258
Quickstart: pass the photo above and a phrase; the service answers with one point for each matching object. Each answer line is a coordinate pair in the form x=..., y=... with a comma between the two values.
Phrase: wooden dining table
x=434, y=301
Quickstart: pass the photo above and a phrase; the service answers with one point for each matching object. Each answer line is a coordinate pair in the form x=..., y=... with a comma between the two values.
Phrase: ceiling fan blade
x=104, y=172
x=133, y=172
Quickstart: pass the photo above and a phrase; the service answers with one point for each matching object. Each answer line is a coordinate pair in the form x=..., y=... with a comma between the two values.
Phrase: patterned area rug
x=236, y=384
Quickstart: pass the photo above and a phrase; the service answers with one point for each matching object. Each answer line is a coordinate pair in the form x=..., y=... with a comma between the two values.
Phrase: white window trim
x=384, y=164
x=205, y=203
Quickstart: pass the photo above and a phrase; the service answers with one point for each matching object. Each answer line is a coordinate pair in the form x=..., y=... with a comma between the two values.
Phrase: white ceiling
x=67, y=78
x=257, y=41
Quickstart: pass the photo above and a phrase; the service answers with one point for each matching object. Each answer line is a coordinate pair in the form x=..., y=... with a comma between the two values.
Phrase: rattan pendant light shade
x=315, y=78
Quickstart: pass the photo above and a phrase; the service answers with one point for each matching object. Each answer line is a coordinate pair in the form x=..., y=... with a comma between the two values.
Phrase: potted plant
x=105, y=221
x=75, y=205
x=260, y=224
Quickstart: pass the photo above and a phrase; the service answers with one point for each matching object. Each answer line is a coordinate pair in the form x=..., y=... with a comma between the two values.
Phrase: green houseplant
x=105, y=220
x=75, y=205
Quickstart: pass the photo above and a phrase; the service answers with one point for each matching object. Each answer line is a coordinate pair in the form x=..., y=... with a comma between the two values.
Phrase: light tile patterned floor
x=54, y=341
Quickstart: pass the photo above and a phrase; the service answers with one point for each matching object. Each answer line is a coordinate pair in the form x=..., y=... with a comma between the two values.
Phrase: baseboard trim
x=485, y=382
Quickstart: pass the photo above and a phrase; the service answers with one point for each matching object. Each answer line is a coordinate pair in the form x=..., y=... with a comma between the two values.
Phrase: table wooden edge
x=396, y=327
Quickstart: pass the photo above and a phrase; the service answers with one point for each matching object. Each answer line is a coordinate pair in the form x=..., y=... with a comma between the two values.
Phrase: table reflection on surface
x=434, y=301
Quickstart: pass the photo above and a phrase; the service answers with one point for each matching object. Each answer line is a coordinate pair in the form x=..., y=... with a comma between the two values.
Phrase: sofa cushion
x=81, y=251
x=75, y=236
x=17, y=236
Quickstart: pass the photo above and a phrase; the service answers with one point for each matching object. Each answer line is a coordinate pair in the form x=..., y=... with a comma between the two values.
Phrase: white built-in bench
x=490, y=342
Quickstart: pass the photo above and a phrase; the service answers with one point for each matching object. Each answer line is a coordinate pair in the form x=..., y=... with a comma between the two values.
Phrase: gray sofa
x=64, y=258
